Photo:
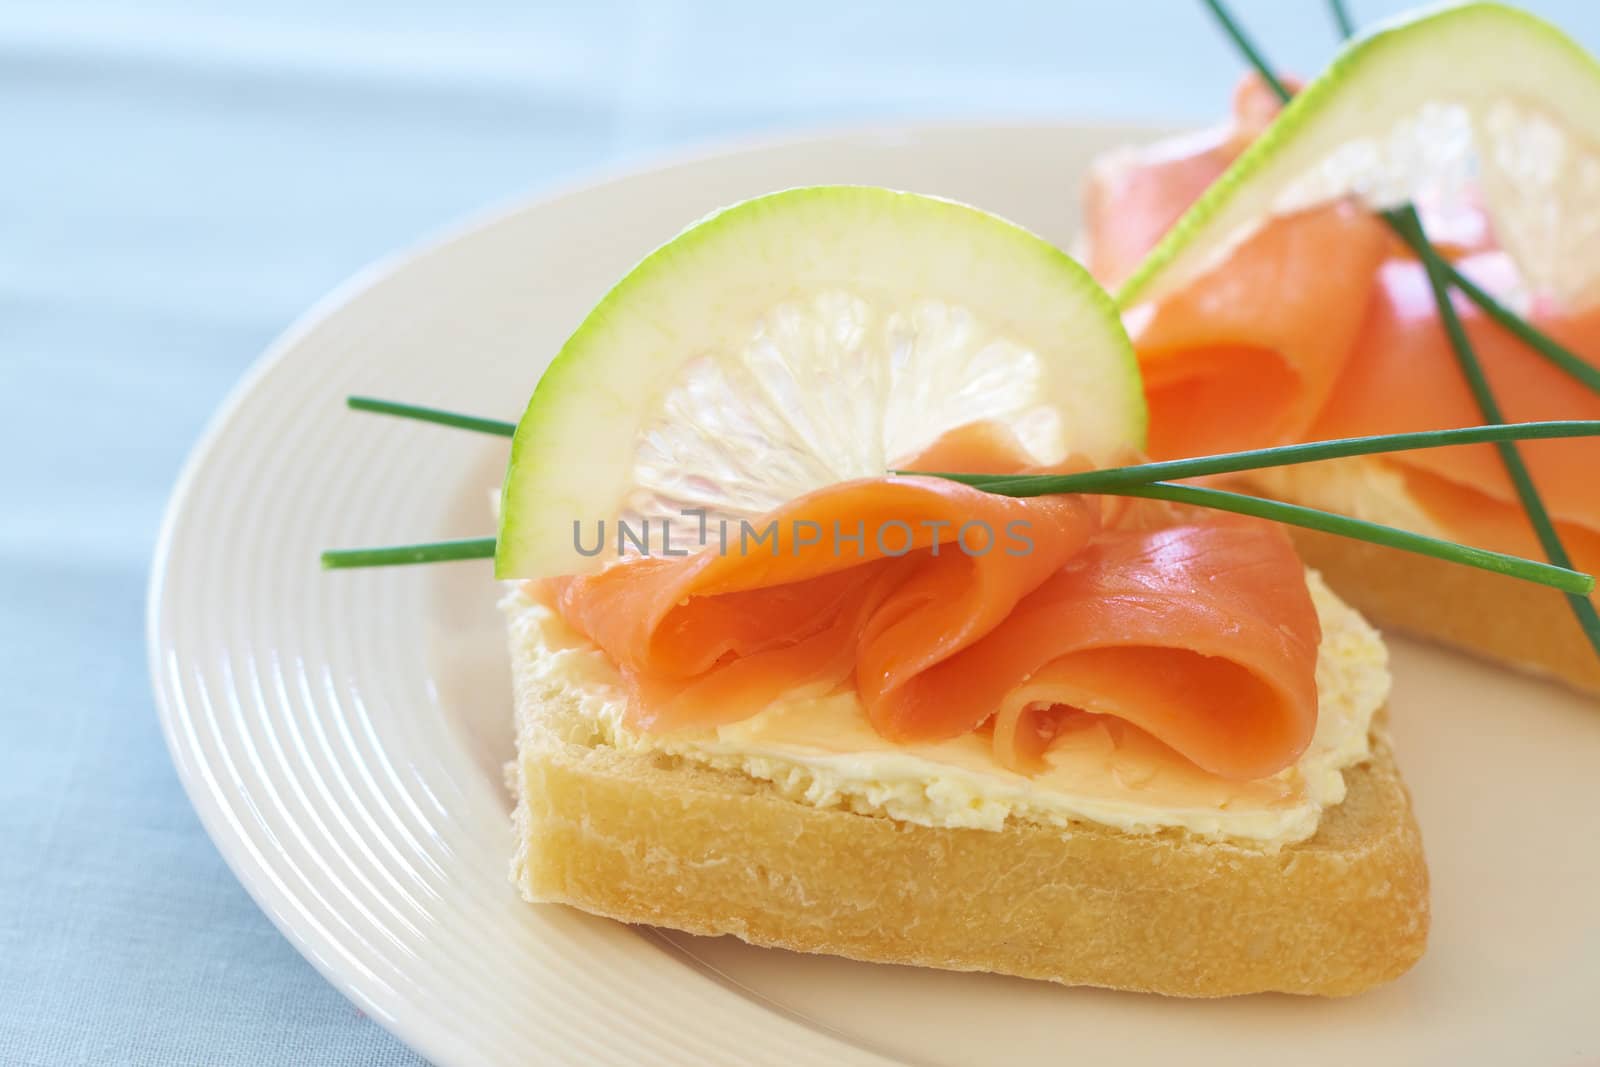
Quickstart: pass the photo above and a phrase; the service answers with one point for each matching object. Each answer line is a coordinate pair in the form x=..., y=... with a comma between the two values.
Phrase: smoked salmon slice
x=977, y=610
x=1322, y=325
x=1201, y=634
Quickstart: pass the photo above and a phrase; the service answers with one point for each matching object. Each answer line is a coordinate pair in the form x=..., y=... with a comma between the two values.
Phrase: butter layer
x=820, y=749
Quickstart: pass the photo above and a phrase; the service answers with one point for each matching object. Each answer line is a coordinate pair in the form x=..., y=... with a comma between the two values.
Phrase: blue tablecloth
x=177, y=182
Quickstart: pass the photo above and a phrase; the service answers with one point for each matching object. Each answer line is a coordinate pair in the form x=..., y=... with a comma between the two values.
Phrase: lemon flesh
x=1474, y=100
x=801, y=339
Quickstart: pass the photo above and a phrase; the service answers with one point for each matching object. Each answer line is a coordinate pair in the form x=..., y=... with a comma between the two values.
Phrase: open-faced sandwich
x=898, y=718
x=845, y=616
x=1270, y=302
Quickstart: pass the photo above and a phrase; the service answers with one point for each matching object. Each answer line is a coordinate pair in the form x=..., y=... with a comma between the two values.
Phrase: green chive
x=1562, y=578
x=1559, y=577
x=1245, y=45
x=433, y=415
x=1406, y=221
x=1341, y=18
x=1109, y=478
x=400, y=555
x=1523, y=330
x=1146, y=479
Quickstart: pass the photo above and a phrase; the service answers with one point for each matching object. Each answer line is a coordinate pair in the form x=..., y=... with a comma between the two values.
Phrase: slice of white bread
x=649, y=838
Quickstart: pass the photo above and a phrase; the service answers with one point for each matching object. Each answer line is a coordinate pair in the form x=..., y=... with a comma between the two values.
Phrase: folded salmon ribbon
x=1322, y=325
x=1199, y=631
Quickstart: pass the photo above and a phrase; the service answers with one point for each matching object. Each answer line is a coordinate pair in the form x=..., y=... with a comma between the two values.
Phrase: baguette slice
x=648, y=838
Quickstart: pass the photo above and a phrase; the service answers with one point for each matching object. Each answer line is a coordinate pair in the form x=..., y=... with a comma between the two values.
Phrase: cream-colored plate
x=341, y=734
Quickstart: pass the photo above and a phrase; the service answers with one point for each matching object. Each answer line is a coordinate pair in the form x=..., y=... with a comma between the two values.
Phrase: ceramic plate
x=342, y=735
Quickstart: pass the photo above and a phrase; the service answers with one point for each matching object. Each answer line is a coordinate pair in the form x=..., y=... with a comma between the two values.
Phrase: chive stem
x=1522, y=329
x=1341, y=18
x=1243, y=43
x=1109, y=478
x=401, y=555
x=1407, y=222
x=437, y=416
x=1563, y=578
x=1559, y=577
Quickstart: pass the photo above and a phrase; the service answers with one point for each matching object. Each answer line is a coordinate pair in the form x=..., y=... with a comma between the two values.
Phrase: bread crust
x=1500, y=618
x=648, y=838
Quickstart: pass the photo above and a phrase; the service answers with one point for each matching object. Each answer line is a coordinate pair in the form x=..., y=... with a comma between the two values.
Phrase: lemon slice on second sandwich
x=1478, y=99
x=801, y=339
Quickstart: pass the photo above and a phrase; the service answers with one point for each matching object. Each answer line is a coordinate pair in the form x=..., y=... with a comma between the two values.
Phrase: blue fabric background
x=177, y=182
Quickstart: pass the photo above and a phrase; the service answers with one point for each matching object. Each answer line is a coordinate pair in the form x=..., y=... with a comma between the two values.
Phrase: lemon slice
x=801, y=339
x=1478, y=99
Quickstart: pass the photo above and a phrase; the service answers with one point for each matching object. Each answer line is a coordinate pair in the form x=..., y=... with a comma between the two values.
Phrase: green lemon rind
x=1469, y=53
x=705, y=289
